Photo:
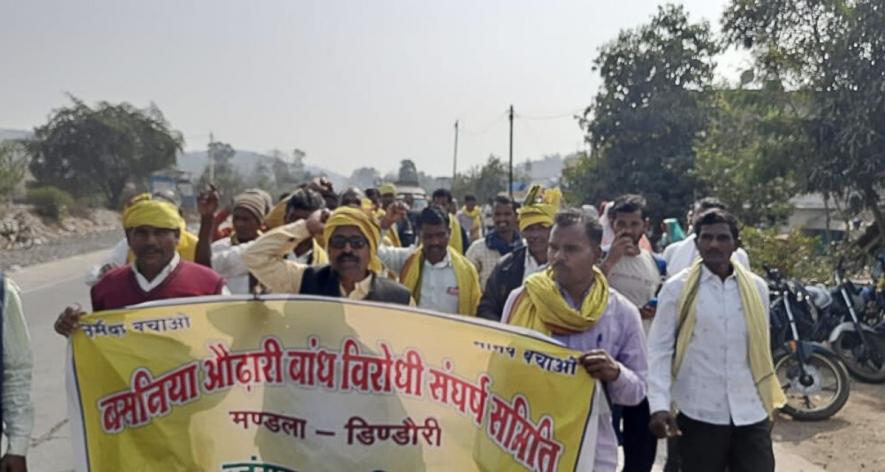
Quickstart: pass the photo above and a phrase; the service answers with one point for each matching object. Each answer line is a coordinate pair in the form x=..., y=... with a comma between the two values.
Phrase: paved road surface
x=47, y=289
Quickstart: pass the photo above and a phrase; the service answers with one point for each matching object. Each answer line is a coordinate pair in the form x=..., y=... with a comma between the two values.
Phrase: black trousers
x=639, y=444
x=705, y=447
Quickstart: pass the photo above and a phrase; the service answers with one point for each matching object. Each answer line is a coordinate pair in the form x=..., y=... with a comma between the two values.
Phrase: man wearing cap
x=535, y=219
x=225, y=255
x=351, y=235
x=121, y=254
x=405, y=227
x=153, y=229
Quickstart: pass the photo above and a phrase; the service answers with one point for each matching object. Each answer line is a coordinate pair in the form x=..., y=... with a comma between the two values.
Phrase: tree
x=221, y=172
x=13, y=164
x=833, y=50
x=364, y=177
x=408, y=173
x=86, y=150
x=643, y=122
x=747, y=156
x=484, y=182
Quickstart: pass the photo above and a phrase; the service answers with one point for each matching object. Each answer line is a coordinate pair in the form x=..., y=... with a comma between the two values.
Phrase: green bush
x=50, y=202
x=793, y=254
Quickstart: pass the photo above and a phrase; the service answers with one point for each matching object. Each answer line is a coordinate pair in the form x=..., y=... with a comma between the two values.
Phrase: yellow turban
x=387, y=188
x=542, y=211
x=156, y=213
x=362, y=219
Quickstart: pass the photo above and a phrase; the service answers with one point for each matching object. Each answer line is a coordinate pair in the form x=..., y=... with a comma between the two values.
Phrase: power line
x=570, y=114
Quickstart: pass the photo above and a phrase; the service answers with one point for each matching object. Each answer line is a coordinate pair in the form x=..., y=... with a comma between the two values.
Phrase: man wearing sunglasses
x=351, y=235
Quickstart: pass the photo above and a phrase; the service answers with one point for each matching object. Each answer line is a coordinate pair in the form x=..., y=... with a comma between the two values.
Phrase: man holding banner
x=351, y=235
x=152, y=229
x=572, y=302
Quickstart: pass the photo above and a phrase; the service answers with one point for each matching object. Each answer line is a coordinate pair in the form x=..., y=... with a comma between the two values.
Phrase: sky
x=352, y=83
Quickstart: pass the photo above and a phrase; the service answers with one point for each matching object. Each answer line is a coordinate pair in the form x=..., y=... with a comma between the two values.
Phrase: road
x=852, y=440
x=46, y=290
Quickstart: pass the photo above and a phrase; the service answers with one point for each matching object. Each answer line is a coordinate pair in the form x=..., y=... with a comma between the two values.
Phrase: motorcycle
x=855, y=336
x=814, y=379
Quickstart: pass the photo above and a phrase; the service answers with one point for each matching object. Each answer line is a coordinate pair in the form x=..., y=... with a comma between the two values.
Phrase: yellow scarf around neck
x=758, y=350
x=455, y=241
x=542, y=307
x=469, y=291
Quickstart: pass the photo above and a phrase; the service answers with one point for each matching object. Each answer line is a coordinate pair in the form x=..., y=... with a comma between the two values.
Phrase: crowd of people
x=676, y=336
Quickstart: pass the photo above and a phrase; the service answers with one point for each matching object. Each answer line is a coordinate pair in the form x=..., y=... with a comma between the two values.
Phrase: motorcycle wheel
x=867, y=368
x=826, y=394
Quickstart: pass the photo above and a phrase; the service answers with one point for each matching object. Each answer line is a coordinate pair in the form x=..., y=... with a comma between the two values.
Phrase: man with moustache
x=351, y=236
x=438, y=277
x=634, y=273
x=710, y=358
x=535, y=219
x=572, y=302
x=152, y=229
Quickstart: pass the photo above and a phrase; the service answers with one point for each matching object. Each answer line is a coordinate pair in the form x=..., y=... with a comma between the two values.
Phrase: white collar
x=148, y=285
x=446, y=262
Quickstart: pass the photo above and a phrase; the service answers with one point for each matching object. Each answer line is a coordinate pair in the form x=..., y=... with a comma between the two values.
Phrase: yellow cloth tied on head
x=152, y=213
x=543, y=308
x=469, y=291
x=758, y=350
x=160, y=214
x=543, y=211
x=367, y=224
x=385, y=189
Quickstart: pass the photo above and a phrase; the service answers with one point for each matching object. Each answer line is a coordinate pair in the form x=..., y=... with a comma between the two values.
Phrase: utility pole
x=211, y=155
x=455, y=157
x=510, y=179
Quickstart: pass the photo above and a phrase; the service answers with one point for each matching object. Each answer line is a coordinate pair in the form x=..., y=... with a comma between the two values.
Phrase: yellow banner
x=306, y=384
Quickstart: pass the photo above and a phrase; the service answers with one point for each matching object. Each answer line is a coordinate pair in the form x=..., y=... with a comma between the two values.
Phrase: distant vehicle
x=418, y=195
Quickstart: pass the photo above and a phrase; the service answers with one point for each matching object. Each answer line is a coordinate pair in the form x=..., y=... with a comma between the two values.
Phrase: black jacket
x=323, y=281
x=506, y=276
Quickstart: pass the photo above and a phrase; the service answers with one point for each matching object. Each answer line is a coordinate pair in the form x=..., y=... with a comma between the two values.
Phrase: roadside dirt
x=852, y=440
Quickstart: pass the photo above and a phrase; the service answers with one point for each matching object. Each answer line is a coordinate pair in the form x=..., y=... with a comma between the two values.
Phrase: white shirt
x=637, y=278
x=714, y=384
x=531, y=265
x=227, y=260
x=117, y=258
x=17, y=409
x=439, y=286
x=680, y=255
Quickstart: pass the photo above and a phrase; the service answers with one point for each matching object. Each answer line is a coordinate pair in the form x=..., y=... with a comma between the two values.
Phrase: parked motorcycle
x=814, y=379
x=857, y=337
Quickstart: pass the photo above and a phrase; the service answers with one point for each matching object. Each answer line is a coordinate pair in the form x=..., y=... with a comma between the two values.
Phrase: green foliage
x=834, y=50
x=644, y=120
x=221, y=172
x=86, y=149
x=793, y=254
x=50, y=202
x=13, y=164
x=484, y=182
x=748, y=156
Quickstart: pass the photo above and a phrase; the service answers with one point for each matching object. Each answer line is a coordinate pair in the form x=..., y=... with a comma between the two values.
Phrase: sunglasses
x=356, y=242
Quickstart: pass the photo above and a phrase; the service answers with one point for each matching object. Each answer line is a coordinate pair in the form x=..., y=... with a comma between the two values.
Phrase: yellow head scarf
x=146, y=212
x=154, y=213
x=543, y=211
x=362, y=219
x=542, y=307
x=386, y=189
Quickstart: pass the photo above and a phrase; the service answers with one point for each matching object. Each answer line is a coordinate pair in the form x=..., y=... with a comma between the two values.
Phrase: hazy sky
x=352, y=83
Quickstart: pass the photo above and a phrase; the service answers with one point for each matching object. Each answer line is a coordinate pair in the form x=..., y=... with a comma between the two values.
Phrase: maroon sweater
x=118, y=288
